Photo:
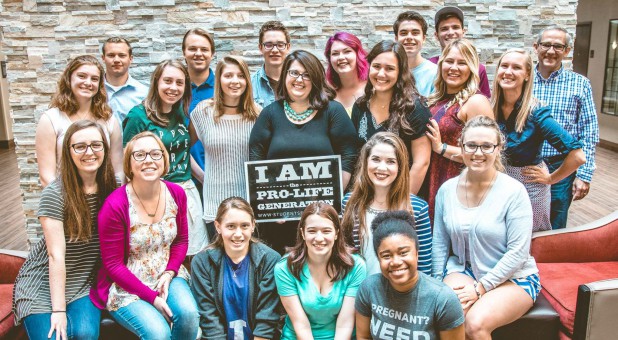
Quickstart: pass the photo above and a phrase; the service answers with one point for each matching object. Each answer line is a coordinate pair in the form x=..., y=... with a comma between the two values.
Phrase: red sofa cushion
x=560, y=282
x=7, y=320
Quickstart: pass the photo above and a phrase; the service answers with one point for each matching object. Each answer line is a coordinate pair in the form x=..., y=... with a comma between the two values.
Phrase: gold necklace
x=142, y=203
x=484, y=193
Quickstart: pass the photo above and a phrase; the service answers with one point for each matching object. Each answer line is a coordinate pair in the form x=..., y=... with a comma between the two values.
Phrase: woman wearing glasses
x=484, y=220
x=163, y=113
x=527, y=124
x=51, y=289
x=304, y=122
x=143, y=232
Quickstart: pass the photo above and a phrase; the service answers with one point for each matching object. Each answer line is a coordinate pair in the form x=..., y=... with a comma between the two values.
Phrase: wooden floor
x=602, y=200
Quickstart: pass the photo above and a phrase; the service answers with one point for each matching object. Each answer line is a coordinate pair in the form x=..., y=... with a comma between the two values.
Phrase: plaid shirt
x=570, y=97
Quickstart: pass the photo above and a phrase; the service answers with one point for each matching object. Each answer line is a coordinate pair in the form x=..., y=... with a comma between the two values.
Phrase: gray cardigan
x=499, y=237
x=207, y=287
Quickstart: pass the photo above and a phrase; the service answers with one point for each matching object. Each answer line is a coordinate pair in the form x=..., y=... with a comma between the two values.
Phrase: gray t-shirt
x=420, y=314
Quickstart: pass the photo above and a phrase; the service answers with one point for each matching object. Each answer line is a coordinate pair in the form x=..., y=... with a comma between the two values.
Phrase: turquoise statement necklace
x=296, y=116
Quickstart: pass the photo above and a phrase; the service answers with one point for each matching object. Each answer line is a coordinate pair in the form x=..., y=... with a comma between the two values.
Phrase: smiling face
x=551, y=60
x=171, y=87
x=233, y=83
x=384, y=71
x=342, y=58
x=512, y=72
x=297, y=88
x=236, y=228
x=117, y=59
x=197, y=53
x=319, y=234
x=478, y=161
x=410, y=35
x=382, y=166
x=274, y=57
x=398, y=258
x=85, y=82
x=90, y=161
x=148, y=170
x=455, y=71
x=449, y=29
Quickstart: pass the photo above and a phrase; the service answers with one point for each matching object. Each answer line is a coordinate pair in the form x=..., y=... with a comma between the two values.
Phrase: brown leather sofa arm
x=597, y=307
x=10, y=262
x=580, y=244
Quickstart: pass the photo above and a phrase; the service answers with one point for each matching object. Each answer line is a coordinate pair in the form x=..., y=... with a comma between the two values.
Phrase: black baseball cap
x=448, y=11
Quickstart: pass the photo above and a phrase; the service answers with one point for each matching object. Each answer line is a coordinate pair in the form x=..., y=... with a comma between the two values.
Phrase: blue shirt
x=198, y=93
x=569, y=95
x=236, y=298
x=263, y=93
x=424, y=76
x=524, y=148
x=123, y=98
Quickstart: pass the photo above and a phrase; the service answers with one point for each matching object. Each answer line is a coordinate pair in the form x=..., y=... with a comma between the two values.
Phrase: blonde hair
x=486, y=122
x=528, y=102
x=248, y=108
x=470, y=56
x=128, y=150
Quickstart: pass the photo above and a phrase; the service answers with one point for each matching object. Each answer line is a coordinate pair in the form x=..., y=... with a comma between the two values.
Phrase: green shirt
x=321, y=310
x=175, y=137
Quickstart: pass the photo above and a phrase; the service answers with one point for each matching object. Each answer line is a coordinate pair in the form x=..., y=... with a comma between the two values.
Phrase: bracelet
x=476, y=289
x=444, y=145
x=59, y=311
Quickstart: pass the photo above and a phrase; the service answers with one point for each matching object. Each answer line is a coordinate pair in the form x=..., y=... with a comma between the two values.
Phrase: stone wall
x=40, y=36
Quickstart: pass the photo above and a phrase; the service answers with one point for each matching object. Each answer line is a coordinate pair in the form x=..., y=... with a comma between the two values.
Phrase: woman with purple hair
x=347, y=68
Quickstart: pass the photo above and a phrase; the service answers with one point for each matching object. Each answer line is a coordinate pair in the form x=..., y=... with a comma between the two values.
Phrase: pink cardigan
x=114, y=230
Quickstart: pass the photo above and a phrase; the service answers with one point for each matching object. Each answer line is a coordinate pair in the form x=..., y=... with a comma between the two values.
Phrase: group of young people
x=445, y=182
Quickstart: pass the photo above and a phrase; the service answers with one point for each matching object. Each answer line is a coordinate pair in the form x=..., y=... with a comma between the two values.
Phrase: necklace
x=484, y=193
x=230, y=106
x=296, y=116
x=142, y=203
x=381, y=106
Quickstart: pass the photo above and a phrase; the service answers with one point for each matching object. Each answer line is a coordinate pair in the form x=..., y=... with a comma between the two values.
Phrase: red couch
x=10, y=262
x=583, y=259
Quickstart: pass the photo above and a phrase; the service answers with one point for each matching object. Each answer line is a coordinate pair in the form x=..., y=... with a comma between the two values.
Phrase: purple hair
x=351, y=40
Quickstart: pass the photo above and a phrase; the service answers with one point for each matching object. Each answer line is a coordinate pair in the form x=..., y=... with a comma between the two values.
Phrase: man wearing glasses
x=570, y=97
x=274, y=44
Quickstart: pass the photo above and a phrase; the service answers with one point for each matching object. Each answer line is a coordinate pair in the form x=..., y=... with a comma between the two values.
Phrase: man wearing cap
x=449, y=23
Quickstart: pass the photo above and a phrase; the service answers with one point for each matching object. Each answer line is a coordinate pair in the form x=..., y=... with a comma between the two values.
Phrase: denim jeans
x=144, y=320
x=83, y=320
x=561, y=197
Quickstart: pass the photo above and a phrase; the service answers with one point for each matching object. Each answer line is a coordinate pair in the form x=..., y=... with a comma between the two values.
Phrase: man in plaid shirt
x=570, y=97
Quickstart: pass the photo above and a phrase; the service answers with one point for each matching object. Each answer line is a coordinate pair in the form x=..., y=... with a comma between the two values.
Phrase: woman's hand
x=163, y=284
x=536, y=174
x=163, y=308
x=467, y=295
x=58, y=324
x=434, y=136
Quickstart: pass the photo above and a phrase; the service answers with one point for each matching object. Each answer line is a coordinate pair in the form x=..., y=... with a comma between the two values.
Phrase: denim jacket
x=263, y=93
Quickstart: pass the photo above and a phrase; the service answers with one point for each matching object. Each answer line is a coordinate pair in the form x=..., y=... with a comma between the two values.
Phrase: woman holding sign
x=304, y=122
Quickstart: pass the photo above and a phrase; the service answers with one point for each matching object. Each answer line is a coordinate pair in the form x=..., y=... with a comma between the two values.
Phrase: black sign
x=281, y=189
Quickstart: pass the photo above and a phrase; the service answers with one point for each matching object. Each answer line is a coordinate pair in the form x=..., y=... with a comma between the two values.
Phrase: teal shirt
x=322, y=311
x=175, y=137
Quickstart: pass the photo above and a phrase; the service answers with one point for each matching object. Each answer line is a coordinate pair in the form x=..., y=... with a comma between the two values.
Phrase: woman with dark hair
x=80, y=95
x=392, y=103
x=233, y=280
x=401, y=288
x=382, y=185
x=163, y=113
x=51, y=290
x=318, y=279
x=144, y=238
x=304, y=122
x=347, y=68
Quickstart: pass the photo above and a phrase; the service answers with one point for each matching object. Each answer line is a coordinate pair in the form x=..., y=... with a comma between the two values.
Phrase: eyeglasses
x=95, y=146
x=140, y=156
x=295, y=74
x=281, y=46
x=485, y=148
x=545, y=46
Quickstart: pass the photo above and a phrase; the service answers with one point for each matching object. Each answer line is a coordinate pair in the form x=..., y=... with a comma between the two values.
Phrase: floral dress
x=149, y=251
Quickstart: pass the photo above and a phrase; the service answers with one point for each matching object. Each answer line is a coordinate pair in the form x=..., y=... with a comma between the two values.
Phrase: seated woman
x=233, y=280
x=402, y=303
x=144, y=239
x=382, y=185
x=318, y=279
x=526, y=123
x=484, y=220
x=51, y=291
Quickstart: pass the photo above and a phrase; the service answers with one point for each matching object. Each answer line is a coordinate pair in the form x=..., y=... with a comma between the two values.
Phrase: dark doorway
x=582, y=48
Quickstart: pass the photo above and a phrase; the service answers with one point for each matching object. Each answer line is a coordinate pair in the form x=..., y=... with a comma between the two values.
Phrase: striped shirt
x=570, y=97
x=226, y=149
x=31, y=294
x=423, y=230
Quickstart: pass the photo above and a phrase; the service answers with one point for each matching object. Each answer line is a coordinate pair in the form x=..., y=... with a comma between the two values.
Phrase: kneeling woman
x=143, y=231
x=402, y=288
x=484, y=219
x=319, y=278
x=233, y=279
x=51, y=290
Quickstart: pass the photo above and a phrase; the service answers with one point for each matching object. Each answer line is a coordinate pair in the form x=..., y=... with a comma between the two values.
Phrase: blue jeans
x=83, y=320
x=144, y=320
x=561, y=196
